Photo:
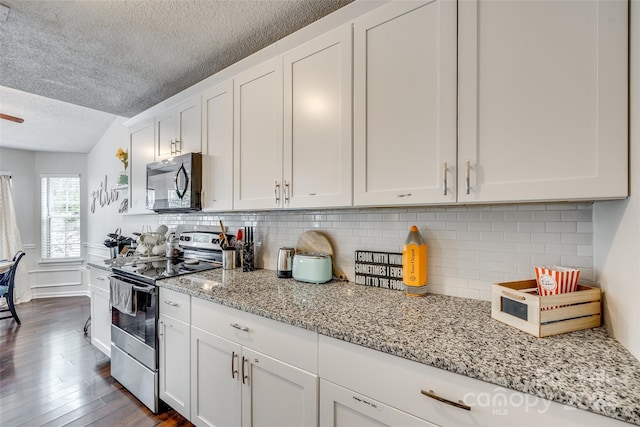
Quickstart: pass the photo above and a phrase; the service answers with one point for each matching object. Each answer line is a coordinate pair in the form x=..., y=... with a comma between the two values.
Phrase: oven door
x=140, y=325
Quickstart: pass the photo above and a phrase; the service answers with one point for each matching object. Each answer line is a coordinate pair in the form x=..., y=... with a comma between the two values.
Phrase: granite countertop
x=587, y=369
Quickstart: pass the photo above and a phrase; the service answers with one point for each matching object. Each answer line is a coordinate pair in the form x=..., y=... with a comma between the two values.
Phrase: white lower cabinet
x=340, y=407
x=273, y=384
x=100, y=310
x=215, y=380
x=173, y=345
x=436, y=395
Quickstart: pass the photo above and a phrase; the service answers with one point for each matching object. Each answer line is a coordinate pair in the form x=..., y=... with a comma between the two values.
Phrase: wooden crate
x=518, y=304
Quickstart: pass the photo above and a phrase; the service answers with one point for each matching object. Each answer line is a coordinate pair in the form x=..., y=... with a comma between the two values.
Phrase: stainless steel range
x=134, y=314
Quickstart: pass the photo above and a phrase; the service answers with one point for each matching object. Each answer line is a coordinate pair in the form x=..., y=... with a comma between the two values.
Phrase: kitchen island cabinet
x=141, y=152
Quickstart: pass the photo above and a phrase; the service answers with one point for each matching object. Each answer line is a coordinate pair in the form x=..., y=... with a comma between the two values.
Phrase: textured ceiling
x=122, y=57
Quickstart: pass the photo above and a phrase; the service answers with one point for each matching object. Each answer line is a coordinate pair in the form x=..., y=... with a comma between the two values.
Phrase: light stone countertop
x=587, y=369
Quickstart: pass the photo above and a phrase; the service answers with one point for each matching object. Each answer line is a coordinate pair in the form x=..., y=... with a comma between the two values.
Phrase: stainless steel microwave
x=175, y=184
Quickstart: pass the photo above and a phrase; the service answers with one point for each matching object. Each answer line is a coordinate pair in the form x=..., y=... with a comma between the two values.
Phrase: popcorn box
x=519, y=304
x=556, y=280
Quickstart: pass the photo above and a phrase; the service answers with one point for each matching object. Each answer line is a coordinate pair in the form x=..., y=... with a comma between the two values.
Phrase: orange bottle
x=414, y=264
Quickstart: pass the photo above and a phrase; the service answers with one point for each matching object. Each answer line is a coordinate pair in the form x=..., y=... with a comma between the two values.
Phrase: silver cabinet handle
x=172, y=304
x=277, y=193
x=242, y=328
x=444, y=179
x=101, y=278
x=161, y=325
x=286, y=192
x=234, y=371
x=468, y=176
x=245, y=377
x=459, y=404
x=173, y=147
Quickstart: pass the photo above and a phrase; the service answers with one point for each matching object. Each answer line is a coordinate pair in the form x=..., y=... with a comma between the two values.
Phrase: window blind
x=60, y=216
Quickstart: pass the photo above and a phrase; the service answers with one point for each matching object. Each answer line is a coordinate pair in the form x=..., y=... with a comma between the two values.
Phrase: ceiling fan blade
x=11, y=118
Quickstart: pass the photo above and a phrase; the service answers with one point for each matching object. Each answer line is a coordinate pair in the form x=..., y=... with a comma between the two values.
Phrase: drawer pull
x=234, y=371
x=365, y=402
x=242, y=328
x=459, y=404
x=171, y=303
x=101, y=278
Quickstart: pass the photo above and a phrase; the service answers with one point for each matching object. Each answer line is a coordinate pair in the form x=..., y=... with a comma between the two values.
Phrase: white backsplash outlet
x=469, y=247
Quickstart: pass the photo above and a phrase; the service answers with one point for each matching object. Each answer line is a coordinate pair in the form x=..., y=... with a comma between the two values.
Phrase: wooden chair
x=7, y=284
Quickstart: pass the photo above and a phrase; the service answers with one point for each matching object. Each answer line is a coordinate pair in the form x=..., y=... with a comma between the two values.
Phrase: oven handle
x=145, y=289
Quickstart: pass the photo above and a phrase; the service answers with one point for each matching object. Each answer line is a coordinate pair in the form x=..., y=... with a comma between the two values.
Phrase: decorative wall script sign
x=380, y=269
x=103, y=195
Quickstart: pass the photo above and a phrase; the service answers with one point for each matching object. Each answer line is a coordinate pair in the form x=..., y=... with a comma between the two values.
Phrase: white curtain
x=10, y=240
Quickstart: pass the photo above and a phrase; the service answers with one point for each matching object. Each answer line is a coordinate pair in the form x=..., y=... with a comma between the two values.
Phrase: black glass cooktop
x=151, y=270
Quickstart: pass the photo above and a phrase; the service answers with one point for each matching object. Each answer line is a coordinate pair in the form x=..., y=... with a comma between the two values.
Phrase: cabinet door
x=405, y=104
x=100, y=319
x=174, y=364
x=217, y=129
x=543, y=100
x=258, y=137
x=277, y=394
x=165, y=125
x=189, y=126
x=215, y=380
x=141, y=152
x=340, y=407
x=317, y=122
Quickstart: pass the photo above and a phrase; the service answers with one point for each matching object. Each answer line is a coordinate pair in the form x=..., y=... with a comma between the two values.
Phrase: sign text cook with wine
x=380, y=269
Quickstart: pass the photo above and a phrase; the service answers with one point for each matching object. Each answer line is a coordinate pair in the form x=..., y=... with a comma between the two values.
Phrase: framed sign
x=380, y=269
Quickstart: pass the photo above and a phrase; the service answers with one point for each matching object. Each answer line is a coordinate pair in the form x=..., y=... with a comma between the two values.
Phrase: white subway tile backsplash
x=470, y=247
x=568, y=227
x=545, y=216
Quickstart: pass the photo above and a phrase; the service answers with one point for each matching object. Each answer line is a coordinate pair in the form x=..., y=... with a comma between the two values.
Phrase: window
x=60, y=216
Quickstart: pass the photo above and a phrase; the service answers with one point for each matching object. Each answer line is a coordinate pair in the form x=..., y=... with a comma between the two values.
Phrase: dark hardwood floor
x=51, y=375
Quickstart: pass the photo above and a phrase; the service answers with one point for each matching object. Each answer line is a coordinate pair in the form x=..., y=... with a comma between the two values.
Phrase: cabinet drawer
x=290, y=344
x=175, y=304
x=99, y=278
x=399, y=383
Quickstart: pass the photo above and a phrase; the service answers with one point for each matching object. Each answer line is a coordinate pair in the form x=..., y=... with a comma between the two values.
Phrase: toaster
x=312, y=267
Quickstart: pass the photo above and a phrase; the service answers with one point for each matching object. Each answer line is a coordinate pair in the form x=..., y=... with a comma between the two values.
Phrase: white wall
x=21, y=165
x=102, y=162
x=45, y=279
x=617, y=225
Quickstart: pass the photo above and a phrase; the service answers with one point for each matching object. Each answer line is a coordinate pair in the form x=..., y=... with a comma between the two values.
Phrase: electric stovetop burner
x=150, y=270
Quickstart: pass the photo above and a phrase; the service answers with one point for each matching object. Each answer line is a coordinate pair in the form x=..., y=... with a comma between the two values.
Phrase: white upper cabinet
x=317, y=122
x=178, y=131
x=258, y=137
x=542, y=100
x=405, y=104
x=217, y=144
x=141, y=149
